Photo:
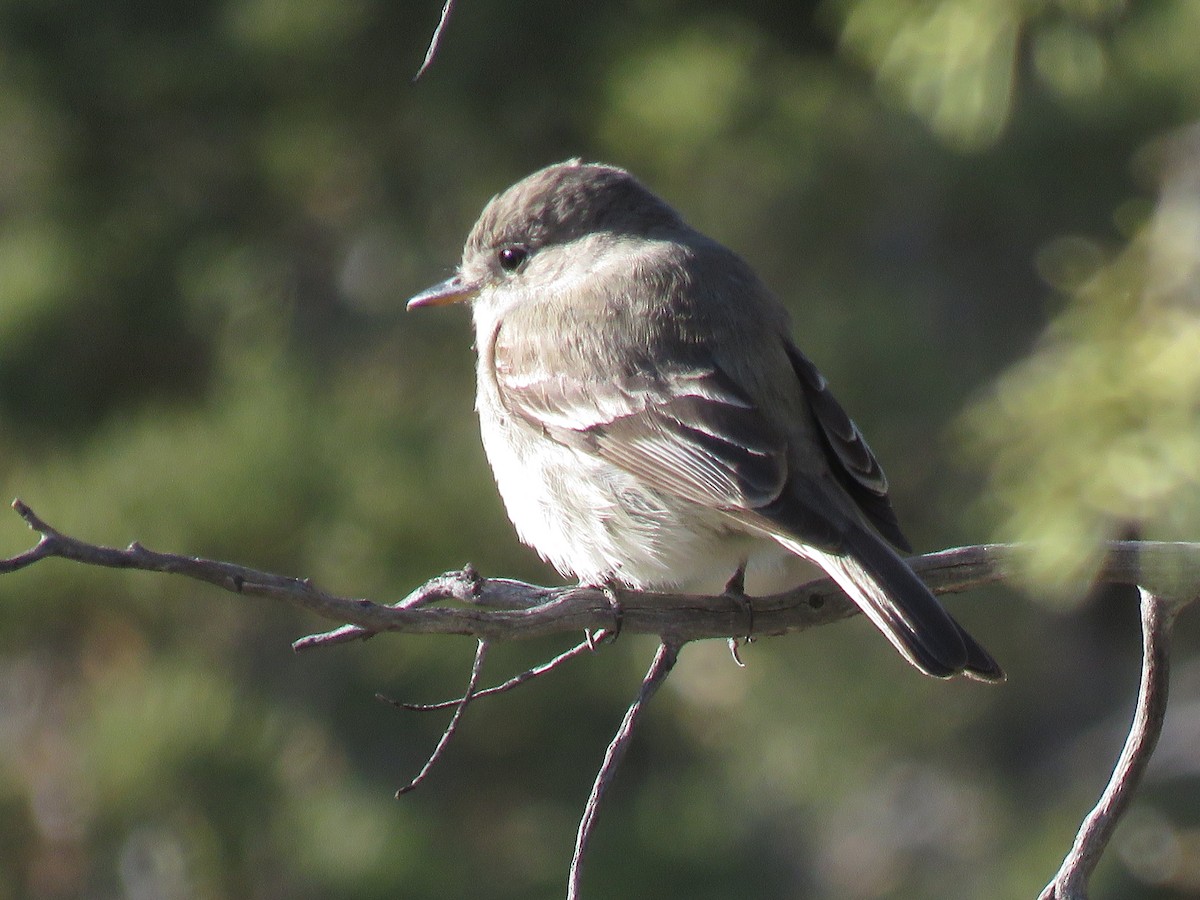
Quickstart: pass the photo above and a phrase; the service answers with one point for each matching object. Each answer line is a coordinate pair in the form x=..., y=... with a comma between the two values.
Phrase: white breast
x=597, y=523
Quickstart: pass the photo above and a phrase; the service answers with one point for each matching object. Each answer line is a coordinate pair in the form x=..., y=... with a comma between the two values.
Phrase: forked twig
x=1095, y=832
x=660, y=668
x=588, y=645
x=464, y=585
x=481, y=650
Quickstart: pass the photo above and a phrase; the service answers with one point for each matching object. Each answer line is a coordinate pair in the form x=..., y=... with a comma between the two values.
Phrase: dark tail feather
x=902, y=607
x=980, y=664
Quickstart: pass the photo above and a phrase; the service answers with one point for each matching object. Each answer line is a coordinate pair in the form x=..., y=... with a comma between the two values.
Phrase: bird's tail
x=901, y=606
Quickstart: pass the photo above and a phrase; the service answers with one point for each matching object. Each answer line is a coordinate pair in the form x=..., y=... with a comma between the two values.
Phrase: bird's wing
x=696, y=434
x=690, y=433
x=850, y=457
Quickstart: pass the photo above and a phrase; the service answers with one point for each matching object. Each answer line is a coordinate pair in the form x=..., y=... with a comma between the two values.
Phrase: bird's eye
x=511, y=258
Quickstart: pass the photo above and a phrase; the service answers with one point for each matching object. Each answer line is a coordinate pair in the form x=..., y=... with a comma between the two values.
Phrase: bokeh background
x=985, y=215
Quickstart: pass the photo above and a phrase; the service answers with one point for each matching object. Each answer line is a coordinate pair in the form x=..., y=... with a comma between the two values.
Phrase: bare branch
x=660, y=668
x=436, y=41
x=503, y=609
x=231, y=577
x=1071, y=881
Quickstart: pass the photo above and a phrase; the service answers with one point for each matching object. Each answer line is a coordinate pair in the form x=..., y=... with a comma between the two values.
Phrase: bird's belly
x=597, y=523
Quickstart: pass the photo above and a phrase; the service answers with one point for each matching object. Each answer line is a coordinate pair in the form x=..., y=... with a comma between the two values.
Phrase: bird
x=651, y=424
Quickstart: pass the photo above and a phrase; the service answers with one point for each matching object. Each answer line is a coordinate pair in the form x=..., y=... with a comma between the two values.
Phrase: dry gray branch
x=1071, y=880
x=660, y=668
x=500, y=609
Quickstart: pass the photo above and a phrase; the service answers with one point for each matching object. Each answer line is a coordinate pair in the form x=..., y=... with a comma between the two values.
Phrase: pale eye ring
x=512, y=257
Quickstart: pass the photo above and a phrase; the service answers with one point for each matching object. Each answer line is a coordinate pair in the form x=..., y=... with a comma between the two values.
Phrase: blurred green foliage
x=210, y=215
x=1096, y=431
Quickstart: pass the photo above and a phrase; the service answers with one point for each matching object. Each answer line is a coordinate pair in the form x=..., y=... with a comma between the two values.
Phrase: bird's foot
x=614, y=603
x=735, y=590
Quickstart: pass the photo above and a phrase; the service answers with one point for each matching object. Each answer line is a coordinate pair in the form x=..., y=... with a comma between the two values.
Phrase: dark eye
x=512, y=257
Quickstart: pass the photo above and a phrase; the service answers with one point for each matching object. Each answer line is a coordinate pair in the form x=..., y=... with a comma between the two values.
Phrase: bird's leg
x=735, y=590
x=614, y=603
x=736, y=585
x=609, y=589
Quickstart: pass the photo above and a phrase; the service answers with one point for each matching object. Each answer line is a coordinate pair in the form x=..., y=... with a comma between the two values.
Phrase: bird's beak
x=452, y=290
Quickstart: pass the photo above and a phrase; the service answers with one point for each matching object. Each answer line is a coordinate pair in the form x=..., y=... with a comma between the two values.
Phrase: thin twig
x=436, y=41
x=481, y=650
x=1071, y=881
x=660, y=668
x=585, y=646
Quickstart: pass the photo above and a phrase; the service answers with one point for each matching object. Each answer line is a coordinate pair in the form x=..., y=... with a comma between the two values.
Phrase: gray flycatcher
x=650, y=423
